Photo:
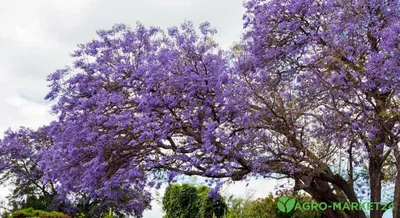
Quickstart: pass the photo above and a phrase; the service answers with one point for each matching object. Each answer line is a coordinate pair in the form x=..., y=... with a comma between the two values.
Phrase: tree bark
x=396, y=200
x=375, y=186
x=321, y=191
x=396, y=197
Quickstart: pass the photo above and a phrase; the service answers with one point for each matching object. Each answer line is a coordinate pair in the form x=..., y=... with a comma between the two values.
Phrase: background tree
x=267, y=207
x=209, y=206
x=237, y=205
x=187, y=200
x=18, y=164
x=181, y=201
x=20, y=153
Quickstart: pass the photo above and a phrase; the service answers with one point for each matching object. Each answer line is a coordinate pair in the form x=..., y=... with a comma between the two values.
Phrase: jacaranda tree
x=310, y=94
x=20, y=154
x=326, y=74
x=18, y=166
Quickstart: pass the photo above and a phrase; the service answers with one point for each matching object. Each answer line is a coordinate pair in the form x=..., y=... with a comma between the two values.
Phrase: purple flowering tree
x=86, y=189
x=21, y=152
x=18, y=166
x=310, y=94
x=127, y=104
x=328, y=71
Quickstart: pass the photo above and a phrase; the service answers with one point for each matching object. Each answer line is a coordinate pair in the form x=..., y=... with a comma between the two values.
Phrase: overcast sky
x=37, y=37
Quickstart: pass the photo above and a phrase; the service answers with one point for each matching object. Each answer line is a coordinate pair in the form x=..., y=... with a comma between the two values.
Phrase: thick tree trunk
x=321, y=191
x=376, y=187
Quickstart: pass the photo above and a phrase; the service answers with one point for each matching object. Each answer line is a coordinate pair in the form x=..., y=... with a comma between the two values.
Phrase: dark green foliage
x=181, y=201
x=216, y=208
x=189, y=201
x=209, y=207
x=39, y=203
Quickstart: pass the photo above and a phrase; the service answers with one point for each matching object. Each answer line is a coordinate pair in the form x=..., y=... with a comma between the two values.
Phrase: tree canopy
x=311, y=94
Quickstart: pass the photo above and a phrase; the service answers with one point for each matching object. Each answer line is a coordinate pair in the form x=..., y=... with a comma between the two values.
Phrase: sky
x=37, y=37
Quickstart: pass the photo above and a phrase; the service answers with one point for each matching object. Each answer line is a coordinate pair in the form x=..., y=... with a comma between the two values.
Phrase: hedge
x=31, y=213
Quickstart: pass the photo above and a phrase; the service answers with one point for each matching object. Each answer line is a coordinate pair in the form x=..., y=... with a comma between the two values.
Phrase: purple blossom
x=311, y=84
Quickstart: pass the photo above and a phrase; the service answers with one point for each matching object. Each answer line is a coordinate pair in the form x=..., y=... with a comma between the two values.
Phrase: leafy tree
x=311, y=94
x=181, y=201
x=189, y=201
x=210, y=207
x=237, y=205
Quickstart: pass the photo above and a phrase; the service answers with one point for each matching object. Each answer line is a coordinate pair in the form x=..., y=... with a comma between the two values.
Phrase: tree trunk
x=321, y=192
x=396, y=197
x=396, y=200
x=376, y=187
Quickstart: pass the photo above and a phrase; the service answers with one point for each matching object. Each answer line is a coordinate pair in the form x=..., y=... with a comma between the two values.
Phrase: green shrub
x=31, y=213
